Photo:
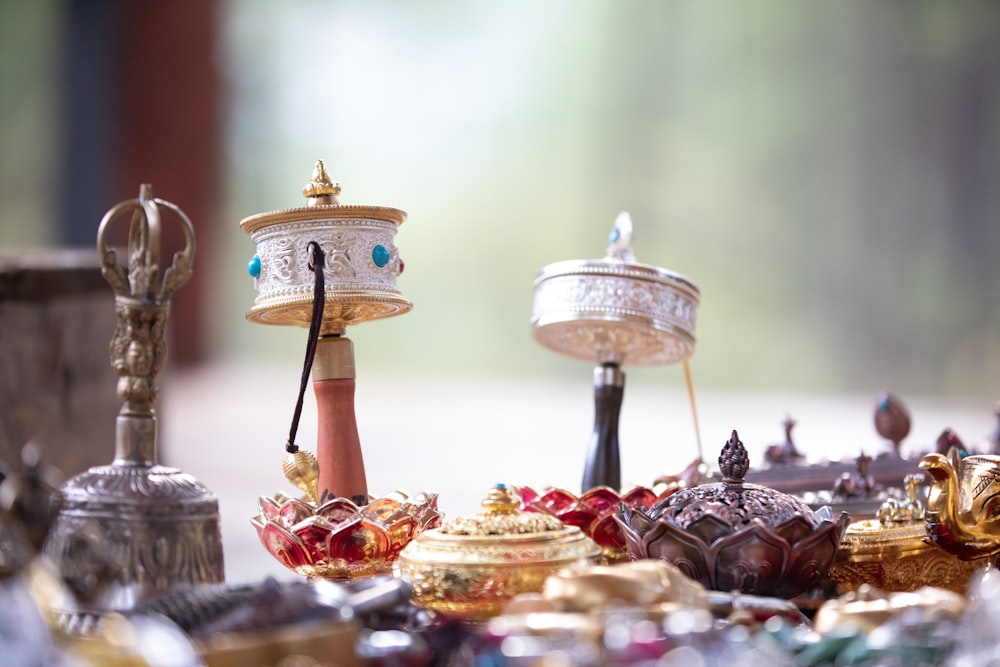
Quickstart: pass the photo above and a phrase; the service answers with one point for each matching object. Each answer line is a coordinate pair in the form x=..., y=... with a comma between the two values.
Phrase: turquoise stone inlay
x=380, y=255
x=253, y=266
x=614, y=235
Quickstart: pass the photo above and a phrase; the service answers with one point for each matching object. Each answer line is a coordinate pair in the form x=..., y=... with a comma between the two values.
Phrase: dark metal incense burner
x=733, y=535
x=134, y=529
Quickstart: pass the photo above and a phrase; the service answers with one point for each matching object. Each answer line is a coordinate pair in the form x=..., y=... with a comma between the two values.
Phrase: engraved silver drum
x=362, y=260
x=615, y=310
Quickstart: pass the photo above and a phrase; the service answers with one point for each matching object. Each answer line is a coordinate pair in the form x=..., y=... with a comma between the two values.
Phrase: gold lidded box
x=472, y=566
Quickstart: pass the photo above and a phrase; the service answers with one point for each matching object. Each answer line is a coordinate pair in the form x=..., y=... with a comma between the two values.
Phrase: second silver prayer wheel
x=614, y=309
x=612, y=312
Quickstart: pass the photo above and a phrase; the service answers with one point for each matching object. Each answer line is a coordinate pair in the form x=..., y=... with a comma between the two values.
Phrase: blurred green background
x=827, y=172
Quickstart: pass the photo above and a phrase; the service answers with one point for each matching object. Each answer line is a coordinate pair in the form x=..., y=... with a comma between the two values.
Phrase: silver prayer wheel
x=134, y=529
x=613, y=311
x=360, y=266
x=362, y=260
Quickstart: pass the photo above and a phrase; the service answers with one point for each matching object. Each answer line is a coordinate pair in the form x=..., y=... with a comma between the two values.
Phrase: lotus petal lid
x=737, y=536
x=500, y=534
x=732, y=501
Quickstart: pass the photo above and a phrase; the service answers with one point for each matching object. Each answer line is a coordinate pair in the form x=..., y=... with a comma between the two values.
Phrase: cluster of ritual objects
x=884, y=560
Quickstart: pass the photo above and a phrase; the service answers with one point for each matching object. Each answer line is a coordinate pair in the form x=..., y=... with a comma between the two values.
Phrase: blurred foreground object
x=632, y=614
x=27, y=509
x=135, y=529
x=274, y=623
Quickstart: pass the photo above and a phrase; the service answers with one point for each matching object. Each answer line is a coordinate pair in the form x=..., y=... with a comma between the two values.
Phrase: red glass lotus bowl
x=339, y=539
x=593, y=512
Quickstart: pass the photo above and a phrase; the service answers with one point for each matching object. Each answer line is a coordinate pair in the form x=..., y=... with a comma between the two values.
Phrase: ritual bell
x=134, y=529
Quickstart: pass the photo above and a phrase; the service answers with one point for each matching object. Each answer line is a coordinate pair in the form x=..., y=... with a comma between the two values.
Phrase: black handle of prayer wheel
x=603, y=466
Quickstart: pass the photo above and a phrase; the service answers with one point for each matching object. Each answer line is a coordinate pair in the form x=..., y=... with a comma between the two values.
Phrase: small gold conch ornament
x=302, y=470
x=963, y=505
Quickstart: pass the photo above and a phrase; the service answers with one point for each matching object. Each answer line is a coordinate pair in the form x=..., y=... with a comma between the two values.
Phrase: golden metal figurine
x=892, y=553
x=963, y=506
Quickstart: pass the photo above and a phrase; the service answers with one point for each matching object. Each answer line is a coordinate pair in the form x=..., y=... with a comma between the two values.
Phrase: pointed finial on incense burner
x=734, y=460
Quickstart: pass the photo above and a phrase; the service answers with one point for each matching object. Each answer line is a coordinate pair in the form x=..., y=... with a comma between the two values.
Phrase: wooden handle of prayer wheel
x=338, y=447
x=603, y=466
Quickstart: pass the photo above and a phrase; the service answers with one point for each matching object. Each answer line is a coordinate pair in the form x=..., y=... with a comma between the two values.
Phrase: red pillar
x=169, y=135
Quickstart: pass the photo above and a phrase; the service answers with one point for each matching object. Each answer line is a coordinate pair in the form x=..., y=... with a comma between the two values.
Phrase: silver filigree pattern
x=357, y=287
x=602, y=317
x=125, y=533
x=615, y=310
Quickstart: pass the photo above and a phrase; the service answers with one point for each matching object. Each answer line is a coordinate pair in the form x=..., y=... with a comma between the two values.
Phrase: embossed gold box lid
x=501, y=535
x=871, y=539
x=897, y=531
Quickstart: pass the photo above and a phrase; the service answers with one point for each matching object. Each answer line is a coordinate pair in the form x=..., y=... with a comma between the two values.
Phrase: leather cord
x=317, y=260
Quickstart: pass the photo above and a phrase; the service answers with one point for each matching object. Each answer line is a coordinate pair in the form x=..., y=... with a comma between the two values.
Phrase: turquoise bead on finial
x=253, y=266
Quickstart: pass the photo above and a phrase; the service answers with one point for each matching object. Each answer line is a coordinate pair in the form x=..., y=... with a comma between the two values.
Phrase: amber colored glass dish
x=593, y=512
x=339, y=539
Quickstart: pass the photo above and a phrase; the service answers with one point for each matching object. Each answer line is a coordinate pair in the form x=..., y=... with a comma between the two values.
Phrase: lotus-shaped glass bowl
x=593, y=512
x=737, y=536
x=339, y=540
